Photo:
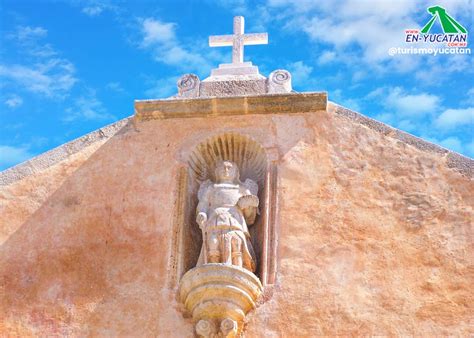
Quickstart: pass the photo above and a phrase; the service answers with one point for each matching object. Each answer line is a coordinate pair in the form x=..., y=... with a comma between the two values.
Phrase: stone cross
x=238, y=40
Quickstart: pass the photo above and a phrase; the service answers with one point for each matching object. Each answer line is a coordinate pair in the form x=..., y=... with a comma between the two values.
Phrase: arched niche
x=253, y=162
x=249, y=156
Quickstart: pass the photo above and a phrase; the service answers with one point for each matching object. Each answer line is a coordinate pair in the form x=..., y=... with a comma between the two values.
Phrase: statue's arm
x=249, y=200
x=202, y=207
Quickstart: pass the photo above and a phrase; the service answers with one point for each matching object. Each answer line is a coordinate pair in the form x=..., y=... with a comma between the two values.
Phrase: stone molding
x=225, y=106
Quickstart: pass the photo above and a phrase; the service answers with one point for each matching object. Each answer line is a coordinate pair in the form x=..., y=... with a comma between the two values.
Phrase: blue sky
x=70, y=67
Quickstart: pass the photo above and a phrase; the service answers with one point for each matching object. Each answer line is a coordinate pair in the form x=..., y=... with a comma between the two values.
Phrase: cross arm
x=221, y=40
x=255, y=39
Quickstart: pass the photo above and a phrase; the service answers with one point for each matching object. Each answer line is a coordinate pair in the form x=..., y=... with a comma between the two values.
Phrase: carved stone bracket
x=218, y=296
x=188, y=86
x=279, y=81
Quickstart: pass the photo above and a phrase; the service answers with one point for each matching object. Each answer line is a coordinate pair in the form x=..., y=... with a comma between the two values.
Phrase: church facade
x=238, y=207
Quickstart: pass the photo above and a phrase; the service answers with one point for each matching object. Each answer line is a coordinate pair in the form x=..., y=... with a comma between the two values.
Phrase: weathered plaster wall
x=374, y=234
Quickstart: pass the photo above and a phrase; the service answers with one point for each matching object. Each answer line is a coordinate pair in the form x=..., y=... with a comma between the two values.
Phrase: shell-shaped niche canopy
x=248, y=154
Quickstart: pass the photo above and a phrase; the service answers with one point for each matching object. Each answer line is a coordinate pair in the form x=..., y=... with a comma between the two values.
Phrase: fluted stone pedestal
x=219, y=296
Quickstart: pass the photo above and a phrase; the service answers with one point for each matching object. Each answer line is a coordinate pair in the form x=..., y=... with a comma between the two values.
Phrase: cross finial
x=238, y=40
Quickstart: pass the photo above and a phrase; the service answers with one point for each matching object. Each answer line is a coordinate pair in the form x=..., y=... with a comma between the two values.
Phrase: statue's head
x=226, y=171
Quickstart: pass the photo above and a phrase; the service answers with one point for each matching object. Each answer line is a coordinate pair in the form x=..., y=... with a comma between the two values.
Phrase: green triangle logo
x=448, y=24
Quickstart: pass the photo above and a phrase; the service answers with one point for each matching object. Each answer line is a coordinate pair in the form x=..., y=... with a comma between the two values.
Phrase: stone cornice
x=226, y=106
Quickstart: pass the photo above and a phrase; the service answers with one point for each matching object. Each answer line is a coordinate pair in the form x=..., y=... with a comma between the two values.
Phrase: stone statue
x=226, y=208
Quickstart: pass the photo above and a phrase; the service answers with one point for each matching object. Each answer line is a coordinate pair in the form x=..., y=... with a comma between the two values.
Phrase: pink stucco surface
x=374, y=235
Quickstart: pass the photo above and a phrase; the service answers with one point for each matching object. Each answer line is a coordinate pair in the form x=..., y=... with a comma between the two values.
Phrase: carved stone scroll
x=279, y=81
x=188, y=86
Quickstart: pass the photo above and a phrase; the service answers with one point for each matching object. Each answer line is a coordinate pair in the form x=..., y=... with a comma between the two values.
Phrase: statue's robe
x=225, y=219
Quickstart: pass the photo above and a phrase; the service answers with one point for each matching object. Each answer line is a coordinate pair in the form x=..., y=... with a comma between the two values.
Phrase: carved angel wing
x=251, y=186
x=203, y=188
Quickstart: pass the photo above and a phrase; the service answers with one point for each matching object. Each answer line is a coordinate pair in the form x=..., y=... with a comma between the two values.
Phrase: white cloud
x=162, y=88
x=28, y=38
x=344, y=24
x=53, y=78
x=452, y=118
x=178, y=56
x=115, y=86
x=10, y=155
x=470, y=97
x=42, y=51
x=419, y=113
x=155, y=31
x=95, y=8
x=92, y=10
x=359, y=75
x=24, y=33
x=238, y=7
x=299, y=6
x=452, y=143
x=14, y=101
x=412, y=104
x=376, y=93
x=45, y=74
x=327, y=57
x=470, y=148
x=407, y=125
x=300, y=72
x=432, y=72
x=385, y=118
x=87, y=107
x=351, y=104
x=160, y=38
x=395, y=121
x=409, y=111
x=361, y=32
x=459, y=9
x=338, y=97
x=406, y=104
